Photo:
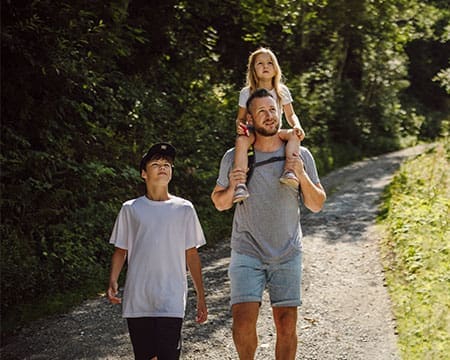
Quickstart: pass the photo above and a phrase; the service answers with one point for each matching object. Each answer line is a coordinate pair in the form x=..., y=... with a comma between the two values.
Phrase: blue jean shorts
x=249, y=277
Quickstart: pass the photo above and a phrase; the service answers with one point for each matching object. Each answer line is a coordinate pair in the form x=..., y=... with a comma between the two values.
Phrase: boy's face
x=158, y=170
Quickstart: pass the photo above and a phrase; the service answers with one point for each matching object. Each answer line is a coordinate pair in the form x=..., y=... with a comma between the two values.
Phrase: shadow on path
x=346, y=309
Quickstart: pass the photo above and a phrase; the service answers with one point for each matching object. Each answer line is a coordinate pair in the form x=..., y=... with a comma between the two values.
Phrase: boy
x=159, y=234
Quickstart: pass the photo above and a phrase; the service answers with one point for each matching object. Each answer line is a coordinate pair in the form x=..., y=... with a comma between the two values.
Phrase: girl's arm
x=241, y=120
x=293, y=120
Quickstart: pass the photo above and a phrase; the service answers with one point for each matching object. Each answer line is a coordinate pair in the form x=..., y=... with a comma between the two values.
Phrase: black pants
x=155, y=336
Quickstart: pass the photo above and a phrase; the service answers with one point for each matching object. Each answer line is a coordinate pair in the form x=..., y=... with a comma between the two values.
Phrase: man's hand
x=295, y=164
x=237, y=176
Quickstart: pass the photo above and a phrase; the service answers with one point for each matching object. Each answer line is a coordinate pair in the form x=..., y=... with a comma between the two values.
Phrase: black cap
x=162, y=149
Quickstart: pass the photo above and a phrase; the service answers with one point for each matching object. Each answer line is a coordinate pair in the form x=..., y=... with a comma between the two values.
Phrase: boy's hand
x=112, y=293
x=202, y=312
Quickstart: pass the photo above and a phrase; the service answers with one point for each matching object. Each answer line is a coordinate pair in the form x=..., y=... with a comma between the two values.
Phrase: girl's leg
x=292, y=148
x=241, y=162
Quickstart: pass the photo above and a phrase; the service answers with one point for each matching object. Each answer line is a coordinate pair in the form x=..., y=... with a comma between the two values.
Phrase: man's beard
x=264, y=132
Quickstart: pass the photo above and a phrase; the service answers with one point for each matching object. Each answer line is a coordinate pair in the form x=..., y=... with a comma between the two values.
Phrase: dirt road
x=345, y=314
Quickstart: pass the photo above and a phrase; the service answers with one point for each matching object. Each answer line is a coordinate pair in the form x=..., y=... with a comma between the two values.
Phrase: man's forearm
x=222, y=198
x=313, y=194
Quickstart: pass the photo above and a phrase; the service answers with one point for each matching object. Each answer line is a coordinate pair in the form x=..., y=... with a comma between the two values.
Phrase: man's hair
x=259, y=93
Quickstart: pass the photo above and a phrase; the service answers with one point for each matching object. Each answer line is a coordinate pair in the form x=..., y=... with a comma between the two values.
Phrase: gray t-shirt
x=156, y=235
x=267, y=224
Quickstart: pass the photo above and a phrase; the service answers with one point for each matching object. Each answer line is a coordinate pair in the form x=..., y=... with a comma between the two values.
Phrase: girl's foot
x=289, y=178
x=240, y=193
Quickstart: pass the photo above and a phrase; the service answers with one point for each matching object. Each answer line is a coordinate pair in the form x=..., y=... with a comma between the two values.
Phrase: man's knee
x=285, y=320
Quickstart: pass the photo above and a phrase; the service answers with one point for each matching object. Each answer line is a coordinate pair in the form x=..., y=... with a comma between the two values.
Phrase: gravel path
x=345, y=313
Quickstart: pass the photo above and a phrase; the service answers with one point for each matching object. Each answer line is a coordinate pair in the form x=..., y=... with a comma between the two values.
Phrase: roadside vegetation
x=87, y=86
x=416, y=215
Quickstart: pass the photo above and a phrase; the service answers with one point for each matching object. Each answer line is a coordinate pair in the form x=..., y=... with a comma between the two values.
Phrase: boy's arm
x=117, y=261
x=195, y=268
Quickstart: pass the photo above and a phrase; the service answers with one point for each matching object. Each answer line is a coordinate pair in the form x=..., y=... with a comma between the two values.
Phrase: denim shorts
x=249, y=277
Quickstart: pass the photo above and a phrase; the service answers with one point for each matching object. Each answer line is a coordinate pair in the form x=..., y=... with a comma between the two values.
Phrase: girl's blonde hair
x=252, y=80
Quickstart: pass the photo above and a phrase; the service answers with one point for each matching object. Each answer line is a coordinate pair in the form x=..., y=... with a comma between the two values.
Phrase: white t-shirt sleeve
x=243, y=97
x=194, y=232
x=286, y=97
x=122, y=233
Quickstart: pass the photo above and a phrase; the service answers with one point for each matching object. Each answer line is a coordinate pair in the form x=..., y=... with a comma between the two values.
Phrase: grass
x=416, y=217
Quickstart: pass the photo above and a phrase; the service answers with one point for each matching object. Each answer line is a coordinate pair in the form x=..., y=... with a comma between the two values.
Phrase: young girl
x=263, y=71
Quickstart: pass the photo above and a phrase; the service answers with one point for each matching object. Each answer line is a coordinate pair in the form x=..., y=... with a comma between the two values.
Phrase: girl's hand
x=299, y=132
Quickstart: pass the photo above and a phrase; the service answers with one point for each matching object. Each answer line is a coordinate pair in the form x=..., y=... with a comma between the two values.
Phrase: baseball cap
x=162, y=149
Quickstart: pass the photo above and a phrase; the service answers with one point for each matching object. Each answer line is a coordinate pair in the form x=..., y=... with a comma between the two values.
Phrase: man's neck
x=267, y=143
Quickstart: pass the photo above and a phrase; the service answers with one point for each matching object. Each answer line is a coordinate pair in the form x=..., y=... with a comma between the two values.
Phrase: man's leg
x=245, y=338
x=286, y=324
x=285, y=294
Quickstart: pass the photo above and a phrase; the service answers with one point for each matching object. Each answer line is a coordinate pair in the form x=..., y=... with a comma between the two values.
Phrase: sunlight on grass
x=416, y=216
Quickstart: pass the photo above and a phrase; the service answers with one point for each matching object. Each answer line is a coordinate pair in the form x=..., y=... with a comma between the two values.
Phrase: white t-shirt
x=286, y=98
x=156, y=235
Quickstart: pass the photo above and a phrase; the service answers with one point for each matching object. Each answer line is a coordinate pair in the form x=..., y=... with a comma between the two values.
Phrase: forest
x=88, y=86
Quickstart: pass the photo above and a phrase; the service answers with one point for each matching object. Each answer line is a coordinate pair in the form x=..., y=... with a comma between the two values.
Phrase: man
x=159, y=234
x=266, y=234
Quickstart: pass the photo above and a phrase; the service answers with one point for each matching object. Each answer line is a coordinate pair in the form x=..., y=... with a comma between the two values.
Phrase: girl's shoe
x=240, y=193
x=289, y=178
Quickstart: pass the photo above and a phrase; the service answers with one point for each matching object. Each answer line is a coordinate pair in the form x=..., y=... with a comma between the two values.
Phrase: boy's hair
x=252, y=80
x=258, y=93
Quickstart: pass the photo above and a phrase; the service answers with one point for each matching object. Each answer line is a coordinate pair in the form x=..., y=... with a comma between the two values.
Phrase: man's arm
x=313, y=194
x=223, y=197
x=195, y=268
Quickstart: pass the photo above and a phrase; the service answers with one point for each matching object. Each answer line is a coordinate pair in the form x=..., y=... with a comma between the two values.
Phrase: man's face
x=264, y=117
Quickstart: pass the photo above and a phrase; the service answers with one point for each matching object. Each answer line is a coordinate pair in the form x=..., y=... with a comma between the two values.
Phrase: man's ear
x=144, y=174
x=249, y=118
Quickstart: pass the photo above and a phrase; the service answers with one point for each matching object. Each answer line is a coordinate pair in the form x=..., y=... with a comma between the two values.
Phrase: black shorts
x=155, y=336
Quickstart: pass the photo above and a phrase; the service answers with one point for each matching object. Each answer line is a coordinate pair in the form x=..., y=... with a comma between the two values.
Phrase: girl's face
x=264, y=67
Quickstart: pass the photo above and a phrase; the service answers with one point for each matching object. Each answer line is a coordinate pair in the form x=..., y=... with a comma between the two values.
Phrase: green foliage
x=87, y=86
x=416, y=251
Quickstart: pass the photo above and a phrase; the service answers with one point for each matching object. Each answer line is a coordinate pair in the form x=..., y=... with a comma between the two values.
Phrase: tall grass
x=416, y=215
